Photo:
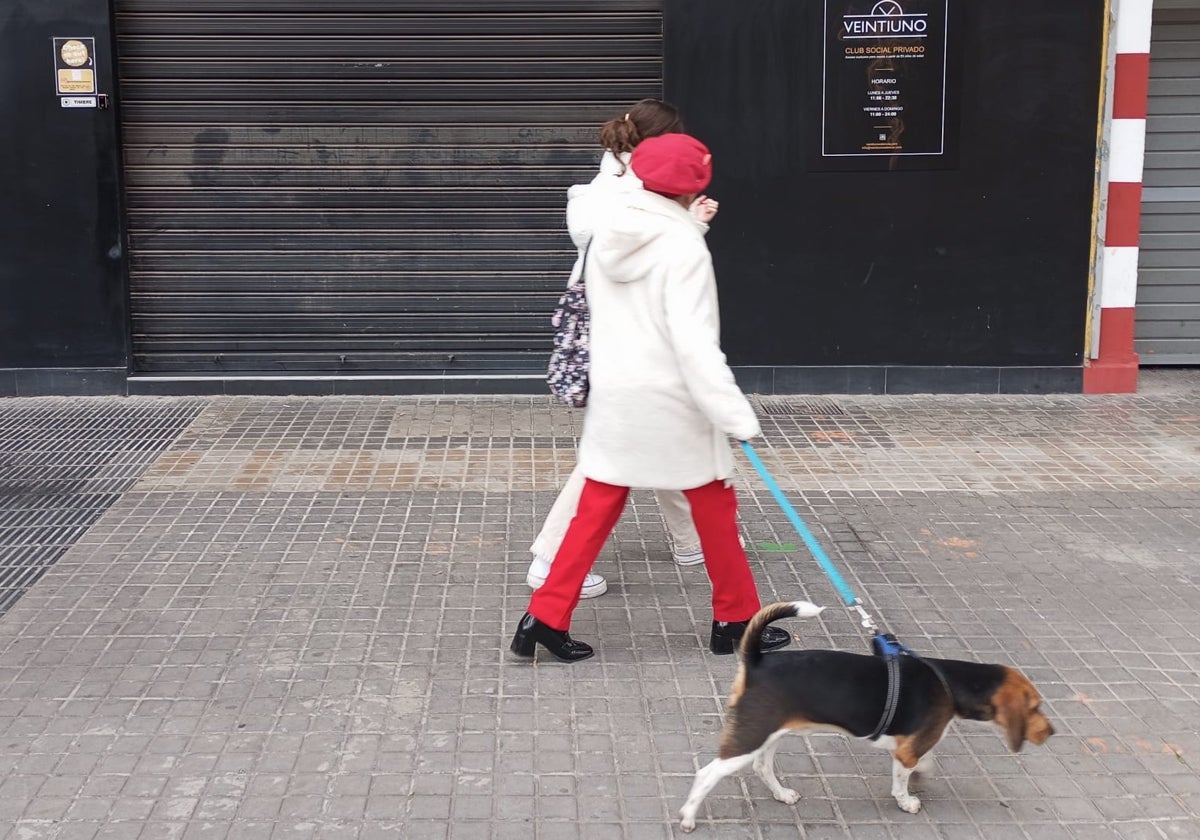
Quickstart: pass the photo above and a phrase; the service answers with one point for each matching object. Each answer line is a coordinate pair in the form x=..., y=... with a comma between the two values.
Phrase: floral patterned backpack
x=567, y=374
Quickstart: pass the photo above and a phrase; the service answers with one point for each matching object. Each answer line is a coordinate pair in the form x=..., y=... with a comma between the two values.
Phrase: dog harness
x=890, y=650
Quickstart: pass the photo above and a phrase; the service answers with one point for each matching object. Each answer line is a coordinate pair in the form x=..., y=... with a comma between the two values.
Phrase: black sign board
x=885, y=98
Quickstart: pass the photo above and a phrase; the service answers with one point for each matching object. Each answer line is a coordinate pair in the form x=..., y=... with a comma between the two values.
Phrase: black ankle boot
x=727, y=634
x=531, y=633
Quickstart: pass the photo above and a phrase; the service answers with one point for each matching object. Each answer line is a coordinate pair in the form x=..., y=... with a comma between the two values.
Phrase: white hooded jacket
x=662, y=399
x=587, y=204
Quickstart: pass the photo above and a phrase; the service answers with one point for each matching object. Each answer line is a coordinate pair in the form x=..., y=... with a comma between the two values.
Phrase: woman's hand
x=704, y=208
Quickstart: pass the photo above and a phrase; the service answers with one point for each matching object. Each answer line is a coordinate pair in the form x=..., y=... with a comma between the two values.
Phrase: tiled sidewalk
x=292, y=621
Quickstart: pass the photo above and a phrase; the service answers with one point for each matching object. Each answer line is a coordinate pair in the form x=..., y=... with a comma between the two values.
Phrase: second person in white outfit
x=586, y=203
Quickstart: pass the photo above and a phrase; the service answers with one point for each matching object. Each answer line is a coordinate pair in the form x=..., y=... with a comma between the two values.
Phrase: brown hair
x=648, y=118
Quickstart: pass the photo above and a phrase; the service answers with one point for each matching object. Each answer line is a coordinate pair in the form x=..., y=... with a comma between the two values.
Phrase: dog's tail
x=751, y=649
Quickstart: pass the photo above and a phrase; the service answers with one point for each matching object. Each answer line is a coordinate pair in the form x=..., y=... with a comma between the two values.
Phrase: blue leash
x=885, y=645
x=852, y=600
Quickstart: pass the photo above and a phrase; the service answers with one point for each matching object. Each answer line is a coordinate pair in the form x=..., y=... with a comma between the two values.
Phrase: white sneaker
x=593, y=585
x=694, y=556
x=690, y=557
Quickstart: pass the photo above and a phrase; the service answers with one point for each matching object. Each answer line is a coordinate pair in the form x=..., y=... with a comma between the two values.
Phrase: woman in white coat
x=587, y=203
x=662, y=401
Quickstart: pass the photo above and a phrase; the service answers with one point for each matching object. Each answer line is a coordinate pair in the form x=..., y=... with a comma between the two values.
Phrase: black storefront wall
x=831, y=280
x=63, y=315
x=874, y=280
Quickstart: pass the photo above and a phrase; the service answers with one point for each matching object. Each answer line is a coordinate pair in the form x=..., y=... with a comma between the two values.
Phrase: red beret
x=672, y=164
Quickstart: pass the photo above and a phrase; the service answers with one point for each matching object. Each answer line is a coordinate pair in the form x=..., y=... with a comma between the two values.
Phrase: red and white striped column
x=1114, y=368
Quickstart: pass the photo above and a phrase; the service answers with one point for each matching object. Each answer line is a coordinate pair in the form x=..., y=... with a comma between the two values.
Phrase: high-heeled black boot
x=531, y=633
x=727, y=634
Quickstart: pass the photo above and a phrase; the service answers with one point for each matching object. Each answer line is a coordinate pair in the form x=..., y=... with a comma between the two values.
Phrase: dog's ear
x=1012, y=702
x=1012, y=717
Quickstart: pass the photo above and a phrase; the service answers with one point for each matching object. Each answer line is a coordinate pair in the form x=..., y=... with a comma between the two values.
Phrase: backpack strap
x=581, y=282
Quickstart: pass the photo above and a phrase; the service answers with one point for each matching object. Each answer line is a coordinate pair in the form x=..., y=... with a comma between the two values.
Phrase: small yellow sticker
x=76, y=81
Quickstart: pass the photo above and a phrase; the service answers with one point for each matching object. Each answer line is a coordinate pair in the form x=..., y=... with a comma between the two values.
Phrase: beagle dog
x=832, y=691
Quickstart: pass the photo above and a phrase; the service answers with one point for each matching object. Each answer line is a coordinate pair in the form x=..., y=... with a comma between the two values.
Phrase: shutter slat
x=371, y=185
x=1167, y=328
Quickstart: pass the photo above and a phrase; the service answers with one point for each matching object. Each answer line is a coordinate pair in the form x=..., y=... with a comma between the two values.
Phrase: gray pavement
x=289, y=617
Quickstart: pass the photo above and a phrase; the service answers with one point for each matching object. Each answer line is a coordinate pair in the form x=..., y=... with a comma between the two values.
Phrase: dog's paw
x=788, y=796
x=909, y=803
x=687, y=824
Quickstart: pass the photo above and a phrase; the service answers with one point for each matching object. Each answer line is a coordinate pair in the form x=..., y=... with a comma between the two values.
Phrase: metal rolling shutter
x=377, y=188
x=1168, y=295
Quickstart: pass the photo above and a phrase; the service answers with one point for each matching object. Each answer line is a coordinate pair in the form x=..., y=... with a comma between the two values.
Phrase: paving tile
x=291, y=621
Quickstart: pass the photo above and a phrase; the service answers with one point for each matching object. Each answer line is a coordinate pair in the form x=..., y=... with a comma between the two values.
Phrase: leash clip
x=868, y=623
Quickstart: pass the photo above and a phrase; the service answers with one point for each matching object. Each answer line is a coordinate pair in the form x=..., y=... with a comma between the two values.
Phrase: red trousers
x=714, y=510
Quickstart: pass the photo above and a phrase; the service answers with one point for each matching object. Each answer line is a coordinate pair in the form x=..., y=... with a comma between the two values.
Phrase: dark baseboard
x=62, y=382
x=901, y=379
x=328, y=386
x=866, y=379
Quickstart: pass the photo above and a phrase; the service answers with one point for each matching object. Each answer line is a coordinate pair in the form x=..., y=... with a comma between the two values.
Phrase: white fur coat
x=663, y=401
